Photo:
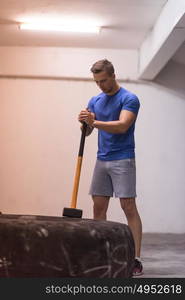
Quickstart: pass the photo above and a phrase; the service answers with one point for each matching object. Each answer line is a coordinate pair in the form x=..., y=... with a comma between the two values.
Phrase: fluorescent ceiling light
x=86, y=28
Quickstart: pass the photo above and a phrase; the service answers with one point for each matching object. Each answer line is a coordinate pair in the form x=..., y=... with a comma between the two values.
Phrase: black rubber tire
x=46, y=246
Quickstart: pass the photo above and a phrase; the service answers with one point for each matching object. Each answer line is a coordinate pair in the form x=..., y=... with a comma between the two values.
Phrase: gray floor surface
x=163, y=255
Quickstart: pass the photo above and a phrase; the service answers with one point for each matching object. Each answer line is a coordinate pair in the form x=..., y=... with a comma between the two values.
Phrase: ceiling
x=125, y=23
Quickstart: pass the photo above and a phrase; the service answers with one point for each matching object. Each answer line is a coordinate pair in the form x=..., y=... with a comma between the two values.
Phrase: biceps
x=127, y=117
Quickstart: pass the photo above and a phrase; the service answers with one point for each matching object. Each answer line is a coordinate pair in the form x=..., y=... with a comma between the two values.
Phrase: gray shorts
x=117, y=177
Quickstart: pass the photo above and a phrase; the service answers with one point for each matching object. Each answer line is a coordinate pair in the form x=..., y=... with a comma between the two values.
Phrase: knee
x=100, y=212
x=100, y=207
x=129, y=207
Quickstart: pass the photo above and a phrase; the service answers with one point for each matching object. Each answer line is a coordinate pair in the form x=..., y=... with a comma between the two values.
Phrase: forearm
x=115, y=127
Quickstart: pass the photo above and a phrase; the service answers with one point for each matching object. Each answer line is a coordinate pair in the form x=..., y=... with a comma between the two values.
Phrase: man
x=113, y=112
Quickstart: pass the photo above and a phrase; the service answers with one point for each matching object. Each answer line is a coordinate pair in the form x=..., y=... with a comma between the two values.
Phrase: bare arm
x=126, y=119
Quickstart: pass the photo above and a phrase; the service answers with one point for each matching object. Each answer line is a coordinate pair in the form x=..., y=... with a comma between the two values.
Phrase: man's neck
x=115, y=90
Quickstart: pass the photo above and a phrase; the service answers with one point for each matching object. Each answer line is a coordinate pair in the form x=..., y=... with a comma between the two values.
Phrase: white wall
x=39, y=138
x=172, y=76
x=64, y=62
x=160, y=148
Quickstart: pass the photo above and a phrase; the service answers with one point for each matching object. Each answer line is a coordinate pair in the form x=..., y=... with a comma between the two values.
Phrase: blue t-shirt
x=107, y=108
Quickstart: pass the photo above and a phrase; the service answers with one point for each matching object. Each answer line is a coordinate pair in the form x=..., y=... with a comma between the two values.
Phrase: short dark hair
x=102, y=65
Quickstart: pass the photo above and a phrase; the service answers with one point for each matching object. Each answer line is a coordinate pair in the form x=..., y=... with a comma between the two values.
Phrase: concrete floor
x=163, y=255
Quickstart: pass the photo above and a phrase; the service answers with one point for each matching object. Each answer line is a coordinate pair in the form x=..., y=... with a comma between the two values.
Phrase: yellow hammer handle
x=76, y=182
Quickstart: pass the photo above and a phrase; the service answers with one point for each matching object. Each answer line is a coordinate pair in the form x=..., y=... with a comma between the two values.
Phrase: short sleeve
x=90, y=105
x=131, y=103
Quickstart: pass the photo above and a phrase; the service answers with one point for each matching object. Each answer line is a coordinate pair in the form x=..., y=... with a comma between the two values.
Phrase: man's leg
x=134, y=222
x=100, y=207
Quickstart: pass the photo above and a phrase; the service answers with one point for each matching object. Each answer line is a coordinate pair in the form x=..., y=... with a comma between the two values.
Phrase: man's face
x=105, y=82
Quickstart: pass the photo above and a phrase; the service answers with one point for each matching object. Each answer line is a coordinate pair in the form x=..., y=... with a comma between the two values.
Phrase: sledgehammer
x=73, y=211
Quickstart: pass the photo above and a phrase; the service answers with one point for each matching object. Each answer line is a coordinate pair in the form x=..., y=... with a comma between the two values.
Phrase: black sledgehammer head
x=72, y=212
